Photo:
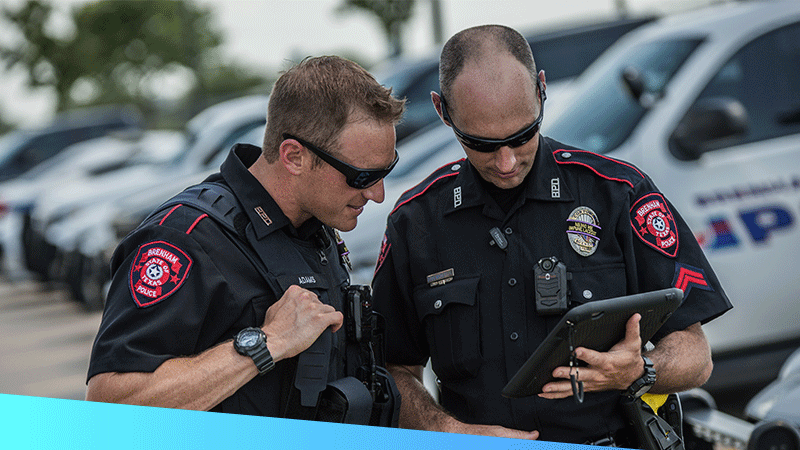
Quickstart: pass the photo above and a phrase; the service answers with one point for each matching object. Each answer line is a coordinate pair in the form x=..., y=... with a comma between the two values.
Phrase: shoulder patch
x=602, y=166
x=157, y=271
x=448, y=170
x=653, y=222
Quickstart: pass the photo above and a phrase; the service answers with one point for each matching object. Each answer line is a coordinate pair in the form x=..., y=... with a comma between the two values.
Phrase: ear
x=437, y=105
x=544, y=83
x=294, y=157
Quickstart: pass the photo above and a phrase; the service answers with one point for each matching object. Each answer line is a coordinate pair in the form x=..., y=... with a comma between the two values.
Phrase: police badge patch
x=583, y=230
x=157, y=271
x=654, y=223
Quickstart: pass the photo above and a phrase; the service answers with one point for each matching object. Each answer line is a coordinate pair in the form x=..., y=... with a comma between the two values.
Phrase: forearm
x=199, y=382
x=682, y=360
x=418, y=409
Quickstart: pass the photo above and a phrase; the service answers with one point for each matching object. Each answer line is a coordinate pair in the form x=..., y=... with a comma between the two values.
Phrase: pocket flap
x=597, y=283
x=434, y=300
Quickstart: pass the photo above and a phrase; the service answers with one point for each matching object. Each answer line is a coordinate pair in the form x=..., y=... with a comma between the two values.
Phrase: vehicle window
x=605, y=113
x=244, y=131
x=765, y=77
x=568, y=56
x=419, y=109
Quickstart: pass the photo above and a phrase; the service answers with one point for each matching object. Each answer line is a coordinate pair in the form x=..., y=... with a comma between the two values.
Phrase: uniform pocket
x=450, y=316
x=597, y=283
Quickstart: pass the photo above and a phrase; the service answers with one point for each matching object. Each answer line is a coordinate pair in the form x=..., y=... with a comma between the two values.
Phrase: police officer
x=455, y=273
x=196, y=317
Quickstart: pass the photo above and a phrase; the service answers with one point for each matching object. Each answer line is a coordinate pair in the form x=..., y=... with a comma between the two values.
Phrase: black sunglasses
x=356, y=178
x=486, y=145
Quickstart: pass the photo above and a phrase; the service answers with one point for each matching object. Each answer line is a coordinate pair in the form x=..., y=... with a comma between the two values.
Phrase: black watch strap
x=643, y=384
x=263, y=359
x=258, y=352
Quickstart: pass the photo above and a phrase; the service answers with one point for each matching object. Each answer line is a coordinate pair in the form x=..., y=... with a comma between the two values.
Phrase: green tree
x=121, y=51
x=392, y=15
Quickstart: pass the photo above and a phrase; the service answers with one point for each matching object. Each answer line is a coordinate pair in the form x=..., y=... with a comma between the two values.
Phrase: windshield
x=605, y=113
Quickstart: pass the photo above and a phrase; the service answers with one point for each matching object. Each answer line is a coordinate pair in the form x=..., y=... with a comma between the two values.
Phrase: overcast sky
x=264, y=34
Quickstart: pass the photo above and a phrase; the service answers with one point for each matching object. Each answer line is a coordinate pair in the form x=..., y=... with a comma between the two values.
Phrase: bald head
x=478, y=44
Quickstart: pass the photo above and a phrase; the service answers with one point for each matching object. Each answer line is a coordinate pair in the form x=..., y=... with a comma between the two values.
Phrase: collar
x=547, y=183
x=265, y=215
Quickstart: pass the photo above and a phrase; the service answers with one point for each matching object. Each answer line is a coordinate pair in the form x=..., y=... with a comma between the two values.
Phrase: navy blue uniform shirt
x=181, y=285
x=449, y=294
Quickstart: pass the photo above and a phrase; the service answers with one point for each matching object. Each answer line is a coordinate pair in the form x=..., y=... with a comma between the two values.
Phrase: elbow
x=705, y=372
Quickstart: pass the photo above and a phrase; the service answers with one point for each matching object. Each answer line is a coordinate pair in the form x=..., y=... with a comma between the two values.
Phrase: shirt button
x=566, y=155
x=587, y=294
x=437, y=304
x=512, y=281
x=455, y=167
x=514, y=336
x=508, y=230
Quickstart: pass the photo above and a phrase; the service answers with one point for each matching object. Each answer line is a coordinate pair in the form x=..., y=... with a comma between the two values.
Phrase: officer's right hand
x=493, y=430
x=295, y=321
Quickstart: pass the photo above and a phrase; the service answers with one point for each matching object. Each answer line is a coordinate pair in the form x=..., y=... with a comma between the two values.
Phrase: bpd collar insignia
x=583, y=230
x=654, y=223
x=157, y=271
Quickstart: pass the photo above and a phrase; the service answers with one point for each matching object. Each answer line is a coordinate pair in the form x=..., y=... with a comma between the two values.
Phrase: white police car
x=708, y=104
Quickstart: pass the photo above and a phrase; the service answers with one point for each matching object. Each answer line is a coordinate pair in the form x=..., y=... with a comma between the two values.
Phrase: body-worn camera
x=550, y=278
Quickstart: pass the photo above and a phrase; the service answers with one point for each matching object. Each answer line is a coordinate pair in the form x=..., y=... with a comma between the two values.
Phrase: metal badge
x=440, y=278
x=583, y=230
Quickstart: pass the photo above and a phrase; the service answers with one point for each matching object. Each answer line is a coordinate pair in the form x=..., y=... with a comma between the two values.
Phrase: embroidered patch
x=157, y=271
x=457, y=197
x=686, y=277
x=654, y=223
x=583, y=230
x=385, y=246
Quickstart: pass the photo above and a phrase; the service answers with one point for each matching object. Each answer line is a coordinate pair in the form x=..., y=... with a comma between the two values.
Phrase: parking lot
x=45, y=341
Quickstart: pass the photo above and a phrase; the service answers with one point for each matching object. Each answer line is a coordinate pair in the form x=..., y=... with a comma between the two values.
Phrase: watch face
x=248, y=338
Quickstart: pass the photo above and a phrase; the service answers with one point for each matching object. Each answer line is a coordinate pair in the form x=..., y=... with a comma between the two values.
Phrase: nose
x=505, y=159
x=375, y=192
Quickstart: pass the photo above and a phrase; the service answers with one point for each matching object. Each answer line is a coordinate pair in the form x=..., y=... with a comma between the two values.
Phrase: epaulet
x=448, y=170
x=602, y=166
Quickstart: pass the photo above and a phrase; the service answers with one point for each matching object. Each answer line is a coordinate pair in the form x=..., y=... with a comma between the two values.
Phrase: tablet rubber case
x=596, y=325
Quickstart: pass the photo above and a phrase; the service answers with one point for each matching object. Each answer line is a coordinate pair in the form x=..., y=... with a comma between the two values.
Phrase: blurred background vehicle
x=21, y=150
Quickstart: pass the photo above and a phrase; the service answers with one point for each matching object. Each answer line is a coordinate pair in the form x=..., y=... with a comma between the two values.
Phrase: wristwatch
x=643, y=383
x=252, y=342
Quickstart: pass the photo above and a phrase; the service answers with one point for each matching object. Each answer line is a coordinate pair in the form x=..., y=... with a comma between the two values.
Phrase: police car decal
x=654, y=223
x=157, y=271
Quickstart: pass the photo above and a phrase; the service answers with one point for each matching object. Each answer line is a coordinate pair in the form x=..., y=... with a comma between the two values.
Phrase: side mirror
x=711, y=123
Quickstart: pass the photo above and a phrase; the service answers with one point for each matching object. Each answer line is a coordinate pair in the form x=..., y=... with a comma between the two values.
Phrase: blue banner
x=45, y=424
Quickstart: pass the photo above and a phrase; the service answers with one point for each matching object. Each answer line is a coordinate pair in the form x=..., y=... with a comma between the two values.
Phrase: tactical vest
x=341, y=377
